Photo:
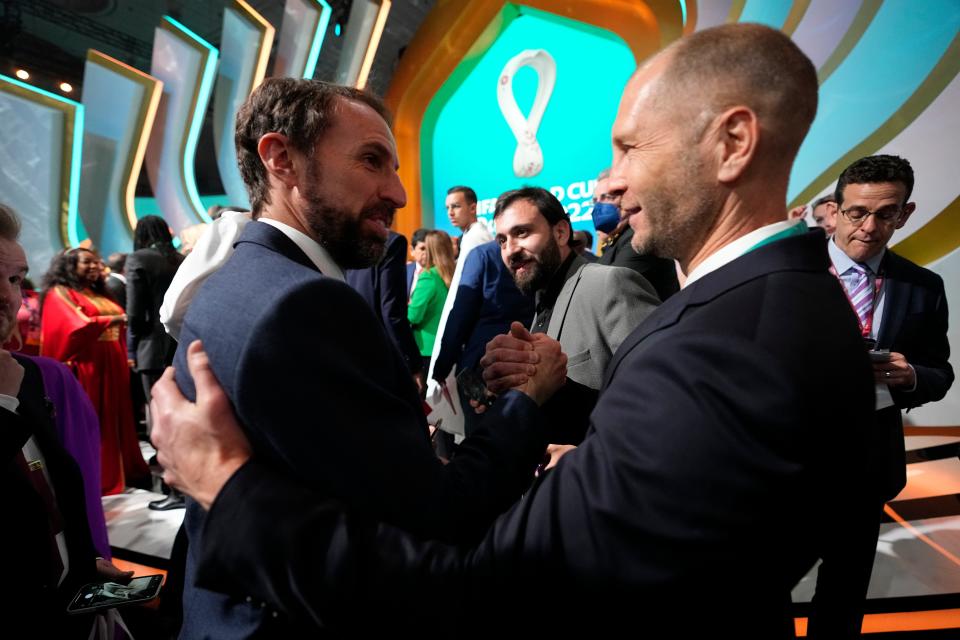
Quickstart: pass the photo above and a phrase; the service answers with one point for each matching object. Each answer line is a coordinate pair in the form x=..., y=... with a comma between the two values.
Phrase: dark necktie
x=34, y=473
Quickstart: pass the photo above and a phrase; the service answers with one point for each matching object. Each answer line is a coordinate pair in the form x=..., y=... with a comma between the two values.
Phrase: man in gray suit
x=589, y=308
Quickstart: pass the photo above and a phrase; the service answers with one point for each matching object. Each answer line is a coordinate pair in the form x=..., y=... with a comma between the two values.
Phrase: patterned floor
x=915, y=587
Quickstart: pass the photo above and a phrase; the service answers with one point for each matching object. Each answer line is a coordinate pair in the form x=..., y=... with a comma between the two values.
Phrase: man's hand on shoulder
x=199, y=445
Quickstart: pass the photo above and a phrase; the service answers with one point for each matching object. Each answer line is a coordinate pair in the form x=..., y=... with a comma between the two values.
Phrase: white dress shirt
x=728, y=253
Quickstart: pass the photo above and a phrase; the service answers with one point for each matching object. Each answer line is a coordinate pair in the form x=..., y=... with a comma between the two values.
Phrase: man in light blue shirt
x=902, y=311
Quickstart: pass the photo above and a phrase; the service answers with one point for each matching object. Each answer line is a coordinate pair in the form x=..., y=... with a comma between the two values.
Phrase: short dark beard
x=342, y=237
x=543, y=270
x=341, y=234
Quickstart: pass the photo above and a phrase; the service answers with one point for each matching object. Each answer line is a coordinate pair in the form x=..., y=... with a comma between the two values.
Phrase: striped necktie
x=861, y=294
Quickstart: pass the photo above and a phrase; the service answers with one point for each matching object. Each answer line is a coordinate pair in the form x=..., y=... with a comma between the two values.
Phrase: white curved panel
x=186, y=65
x=823, y=26
x=244, y=48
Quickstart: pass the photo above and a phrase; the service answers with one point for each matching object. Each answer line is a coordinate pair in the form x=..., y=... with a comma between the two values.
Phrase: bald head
x=743, y=64
x=705, y=137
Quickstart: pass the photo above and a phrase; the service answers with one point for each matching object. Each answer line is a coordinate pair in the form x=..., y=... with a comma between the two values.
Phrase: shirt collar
x=843, y=263
x=737, y=248
x=317, y=254
x=546, y=298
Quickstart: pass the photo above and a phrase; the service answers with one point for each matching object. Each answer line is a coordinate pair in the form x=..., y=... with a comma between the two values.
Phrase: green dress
x=426, y=305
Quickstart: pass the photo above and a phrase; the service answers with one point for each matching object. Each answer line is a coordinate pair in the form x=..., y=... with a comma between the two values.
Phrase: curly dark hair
x=153, y=232
x=876, y=169
x=301, y=110
x=63, y=271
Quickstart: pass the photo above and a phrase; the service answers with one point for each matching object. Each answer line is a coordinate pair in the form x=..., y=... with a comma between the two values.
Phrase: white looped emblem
x=528, y=158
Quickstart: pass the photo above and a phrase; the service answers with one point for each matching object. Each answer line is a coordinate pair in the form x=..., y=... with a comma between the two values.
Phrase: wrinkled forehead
x=363, y=121
x=641, y=97
x=12, y=255
x=874, y=191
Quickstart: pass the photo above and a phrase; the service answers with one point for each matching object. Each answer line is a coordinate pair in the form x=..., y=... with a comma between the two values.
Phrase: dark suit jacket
x=700, y=493
x=411, y=270
x=29, y=595
x=659, y=272
x=149, y=273
x=487, y=302
x=117, y=290
x=324, y=396
x=915, y=324
x=382, y=286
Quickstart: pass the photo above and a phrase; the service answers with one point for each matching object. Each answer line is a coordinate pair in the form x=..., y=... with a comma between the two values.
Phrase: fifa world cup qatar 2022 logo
x=528, y=158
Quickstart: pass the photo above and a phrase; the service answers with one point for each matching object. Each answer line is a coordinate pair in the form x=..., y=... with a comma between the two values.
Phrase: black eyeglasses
x=857, y=215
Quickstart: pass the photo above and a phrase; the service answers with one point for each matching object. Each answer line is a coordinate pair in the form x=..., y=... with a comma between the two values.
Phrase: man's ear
x=738, y=133
x=277, y=157
x=562, y=232
x=908, y=208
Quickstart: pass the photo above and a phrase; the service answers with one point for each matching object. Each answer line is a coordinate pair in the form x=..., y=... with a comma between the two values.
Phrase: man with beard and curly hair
x=589, y=309
x=318, y=385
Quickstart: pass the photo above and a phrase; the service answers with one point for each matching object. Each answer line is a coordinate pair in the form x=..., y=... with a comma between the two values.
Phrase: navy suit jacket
x=701, y=490
x=324, y=396
x=487, y=302
x=382, y=287
x=915, y=324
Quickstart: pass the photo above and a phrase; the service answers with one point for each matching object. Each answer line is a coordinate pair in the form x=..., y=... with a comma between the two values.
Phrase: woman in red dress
x=84, y=328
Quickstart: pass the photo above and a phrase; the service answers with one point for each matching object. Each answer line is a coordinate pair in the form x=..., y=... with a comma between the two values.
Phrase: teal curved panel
x=473, y=144
x=772, y=13
x=896, y=53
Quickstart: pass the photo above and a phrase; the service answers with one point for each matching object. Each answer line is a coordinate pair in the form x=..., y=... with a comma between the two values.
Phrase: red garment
x=25, y=337
x=75, y=329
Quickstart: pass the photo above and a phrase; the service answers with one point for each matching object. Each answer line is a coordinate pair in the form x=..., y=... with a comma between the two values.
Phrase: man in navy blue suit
x=901, y=309
x=708, y=483
x=418, y=245
x=382, y=286
x=319, y=387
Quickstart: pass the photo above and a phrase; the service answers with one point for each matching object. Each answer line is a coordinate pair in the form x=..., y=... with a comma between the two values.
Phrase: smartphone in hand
x=107, y=595
x=473, y=387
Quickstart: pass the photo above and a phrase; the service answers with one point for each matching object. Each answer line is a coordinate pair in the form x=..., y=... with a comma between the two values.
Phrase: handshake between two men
x=201, y=445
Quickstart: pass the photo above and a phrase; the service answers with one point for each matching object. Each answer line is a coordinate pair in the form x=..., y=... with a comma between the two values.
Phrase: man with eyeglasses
x=902, y=311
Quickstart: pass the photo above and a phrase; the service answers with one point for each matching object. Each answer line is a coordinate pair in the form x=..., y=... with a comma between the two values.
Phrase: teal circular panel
x=473, y=145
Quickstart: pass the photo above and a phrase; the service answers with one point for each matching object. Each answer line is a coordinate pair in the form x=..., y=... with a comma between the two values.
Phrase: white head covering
x=209, y=253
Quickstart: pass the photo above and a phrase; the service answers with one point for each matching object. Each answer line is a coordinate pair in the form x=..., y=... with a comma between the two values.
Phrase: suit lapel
x=896, y=294
x=275, y=240
x=807, y=252
x=666, y=315
x=562, y=306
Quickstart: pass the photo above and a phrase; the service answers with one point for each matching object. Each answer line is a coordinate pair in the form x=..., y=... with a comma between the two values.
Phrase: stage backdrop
x=495, y=95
